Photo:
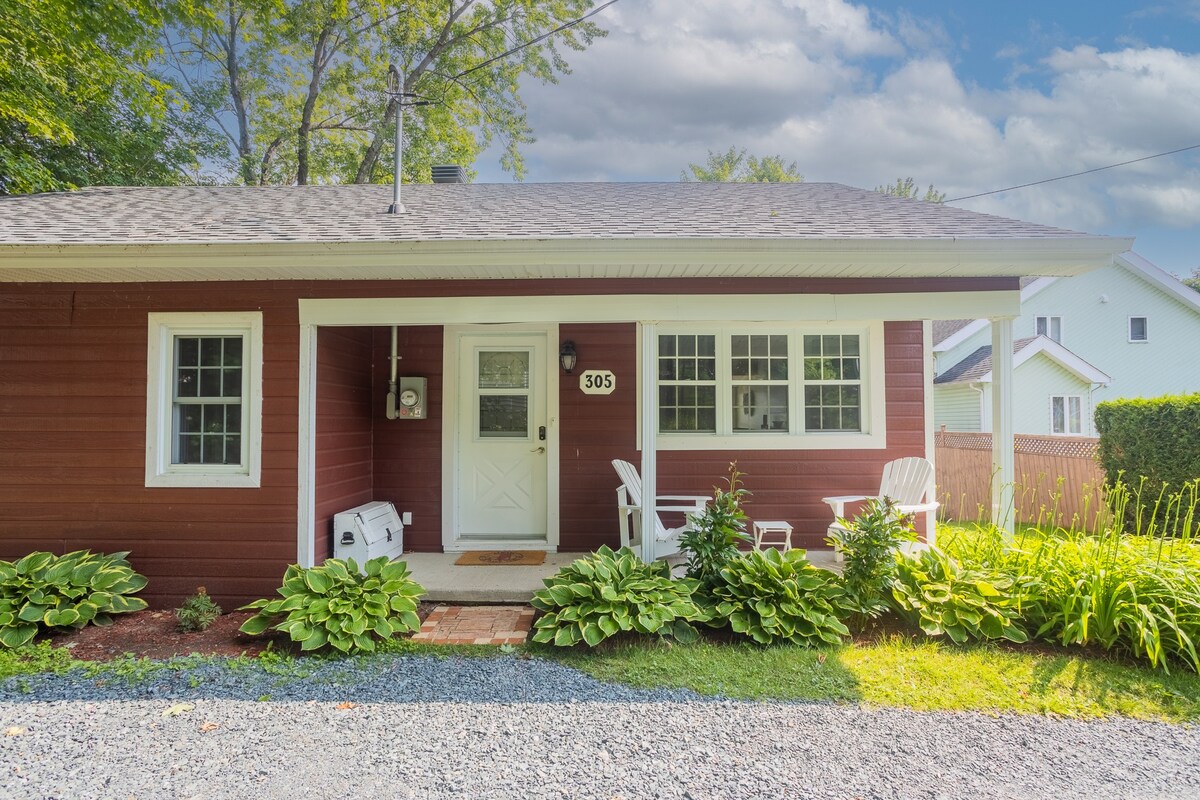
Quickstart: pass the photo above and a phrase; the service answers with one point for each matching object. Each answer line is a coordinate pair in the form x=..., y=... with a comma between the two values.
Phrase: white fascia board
x=967, y=331
x=558, y=258
x=1060, y=355
x=1160, y=278
x=658, y=307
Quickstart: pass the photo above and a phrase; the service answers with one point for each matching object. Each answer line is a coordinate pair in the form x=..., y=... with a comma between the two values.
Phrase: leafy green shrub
x=335, y=605
x=715, y=534
x=943, y=598
x=594, y=598
x=868, y=544
x=67, y=591
x=1153, y=443
x=771, y=597
x=197, y=612
x=1131, y=594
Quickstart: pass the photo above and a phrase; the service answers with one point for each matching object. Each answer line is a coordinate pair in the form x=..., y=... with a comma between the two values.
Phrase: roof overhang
x=1056, y=353
x=559, y=258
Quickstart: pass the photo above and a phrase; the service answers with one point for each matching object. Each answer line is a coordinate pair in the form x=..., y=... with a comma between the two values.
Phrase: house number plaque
x=597, y=381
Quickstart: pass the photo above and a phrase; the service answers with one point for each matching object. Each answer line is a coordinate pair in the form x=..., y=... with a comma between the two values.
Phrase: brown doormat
x=501, y=558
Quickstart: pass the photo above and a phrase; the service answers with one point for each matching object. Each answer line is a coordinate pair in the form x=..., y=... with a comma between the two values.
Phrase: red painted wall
x=72, y=427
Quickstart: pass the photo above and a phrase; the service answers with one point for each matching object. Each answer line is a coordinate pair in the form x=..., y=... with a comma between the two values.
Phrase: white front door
x=502, y=440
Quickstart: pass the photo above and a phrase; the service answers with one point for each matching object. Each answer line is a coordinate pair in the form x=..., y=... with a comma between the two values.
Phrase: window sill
x=196, y=480
x=789, y=441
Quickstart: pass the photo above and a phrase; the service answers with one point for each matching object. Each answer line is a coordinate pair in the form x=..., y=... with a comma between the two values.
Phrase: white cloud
x=862, y=99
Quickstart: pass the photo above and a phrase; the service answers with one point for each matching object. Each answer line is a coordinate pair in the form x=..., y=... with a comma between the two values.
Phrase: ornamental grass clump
x=610, y=592
x=43, y=590
x=335, y=605
x=1135, y=595
x=772, y=597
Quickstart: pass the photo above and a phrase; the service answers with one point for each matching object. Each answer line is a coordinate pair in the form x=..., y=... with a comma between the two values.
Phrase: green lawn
x=903, y=672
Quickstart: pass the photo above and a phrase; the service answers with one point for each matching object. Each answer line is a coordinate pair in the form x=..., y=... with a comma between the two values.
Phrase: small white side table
x=779, y=531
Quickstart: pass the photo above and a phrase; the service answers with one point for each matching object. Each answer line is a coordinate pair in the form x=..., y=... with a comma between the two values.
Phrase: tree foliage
x=906, y=189
x=297, y=89
x=735, y=166
x=79, y=100
x=1194, y=281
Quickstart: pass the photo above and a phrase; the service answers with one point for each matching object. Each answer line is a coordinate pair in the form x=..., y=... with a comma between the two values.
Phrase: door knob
x=538, y=450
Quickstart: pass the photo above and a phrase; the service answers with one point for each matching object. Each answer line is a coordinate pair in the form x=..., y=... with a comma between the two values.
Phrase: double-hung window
x=1139, y=331
x=770, y=387
x=1050, y=327
x=1066, y=415
x=204, y=399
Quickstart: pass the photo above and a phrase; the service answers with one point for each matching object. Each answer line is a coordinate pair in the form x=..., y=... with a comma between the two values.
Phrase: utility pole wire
x=1074, y=174
x=544, y=36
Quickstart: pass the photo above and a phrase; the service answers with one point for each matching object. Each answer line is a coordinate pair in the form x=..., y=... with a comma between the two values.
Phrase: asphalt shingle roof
x=474, y=212
x=978, y=364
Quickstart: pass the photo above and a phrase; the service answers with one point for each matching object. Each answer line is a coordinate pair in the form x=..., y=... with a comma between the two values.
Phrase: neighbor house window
x=1138, y=330
x=204, y=399
x=761, y=386
x=1066, y=414
x=1050, y=327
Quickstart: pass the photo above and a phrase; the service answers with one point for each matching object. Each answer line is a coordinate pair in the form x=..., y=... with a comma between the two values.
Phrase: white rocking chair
x=909, y=483
x=629, y=512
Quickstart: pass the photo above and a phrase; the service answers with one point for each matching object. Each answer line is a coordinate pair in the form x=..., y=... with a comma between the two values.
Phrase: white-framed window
x=1050, y=327
x=204, y=399
x=1066, y=414
x=764, y=386
x=1139, y=329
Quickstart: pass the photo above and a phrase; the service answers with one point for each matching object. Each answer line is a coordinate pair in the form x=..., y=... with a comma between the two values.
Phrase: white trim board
x=660, y=308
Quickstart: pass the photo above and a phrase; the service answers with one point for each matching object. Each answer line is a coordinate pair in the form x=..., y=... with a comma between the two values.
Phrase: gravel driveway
x=515, y=728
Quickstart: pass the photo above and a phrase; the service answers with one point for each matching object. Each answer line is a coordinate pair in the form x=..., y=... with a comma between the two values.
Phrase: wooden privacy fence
x=1058, y=480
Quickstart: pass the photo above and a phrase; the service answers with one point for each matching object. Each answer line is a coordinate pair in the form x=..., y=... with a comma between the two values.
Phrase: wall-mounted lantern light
x=567, y=357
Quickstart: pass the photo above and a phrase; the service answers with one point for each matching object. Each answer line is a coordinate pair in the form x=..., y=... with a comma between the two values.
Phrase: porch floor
x=446, y=582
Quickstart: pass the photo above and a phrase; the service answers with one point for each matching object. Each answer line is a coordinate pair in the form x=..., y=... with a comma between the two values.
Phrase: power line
x=544, y=36
x=1074, y=174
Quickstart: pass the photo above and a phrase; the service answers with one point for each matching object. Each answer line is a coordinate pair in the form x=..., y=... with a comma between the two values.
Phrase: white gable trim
x=975, y=326
x=1161, y=278
x=1060, y=355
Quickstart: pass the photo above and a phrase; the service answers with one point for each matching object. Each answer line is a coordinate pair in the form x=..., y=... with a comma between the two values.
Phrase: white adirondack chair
x=629, y=512
x=909, y=483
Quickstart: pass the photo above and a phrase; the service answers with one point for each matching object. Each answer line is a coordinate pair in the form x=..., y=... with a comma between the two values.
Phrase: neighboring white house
x=1128, y=330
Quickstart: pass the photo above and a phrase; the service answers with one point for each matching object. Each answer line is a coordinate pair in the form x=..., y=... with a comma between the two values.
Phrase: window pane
x=740, y=369
x=1076, y=414
x=687, y=345
x=233, y=419
x=213, y=450
x=706, y=419
x=739, y=346
x=233, y=351
x=187, y=352
x=187, y=383
x=189, y=418
x=707, y=369
x=666, y=369
x=687, y=419
x=1137, y=329
x=850, y=369
x=779, y=369
x=210, y=352
x=758, y=345
x=687, y=369
x=189, y=449
x=503, y=416
x=214, y=419
x=812, y=369
x=666, y=395
x=1056, y=328
x=666, y=346
x=667, y=419
x=1040, y=326
x=706, y=346
x=812, y=345
x=1058, y=415
x=504, y=369
x=231, y=383
x=850, y=346
x=210, y=383
x=831, y=345
x=233, y=449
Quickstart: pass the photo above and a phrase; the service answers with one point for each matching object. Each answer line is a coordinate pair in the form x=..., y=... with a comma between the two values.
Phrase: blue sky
x=968, y=96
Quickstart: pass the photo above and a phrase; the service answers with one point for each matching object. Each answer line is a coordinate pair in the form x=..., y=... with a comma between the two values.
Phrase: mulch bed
x=155, y=634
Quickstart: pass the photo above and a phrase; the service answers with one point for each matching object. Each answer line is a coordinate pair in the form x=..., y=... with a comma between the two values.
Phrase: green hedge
x=1154, y=438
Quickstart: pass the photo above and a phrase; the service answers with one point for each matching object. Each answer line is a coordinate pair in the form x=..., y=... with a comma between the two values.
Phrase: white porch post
x=648, y=380
x=1003, y=462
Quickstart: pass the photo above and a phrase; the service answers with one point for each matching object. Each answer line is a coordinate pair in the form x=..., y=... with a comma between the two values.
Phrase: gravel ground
x=514, y=728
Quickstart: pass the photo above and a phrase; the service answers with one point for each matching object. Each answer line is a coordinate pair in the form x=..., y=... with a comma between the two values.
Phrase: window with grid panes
x=687, y=383
x=207, y=402
x=832, y=393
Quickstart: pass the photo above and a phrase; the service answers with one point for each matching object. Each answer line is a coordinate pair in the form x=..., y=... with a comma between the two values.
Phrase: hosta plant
x=335, y=605
x=597, y=597
x=68, y=591
x=943, y=598
x=771, y=597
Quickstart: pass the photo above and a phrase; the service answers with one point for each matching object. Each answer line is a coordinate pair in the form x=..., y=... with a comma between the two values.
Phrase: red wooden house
x=201, y=375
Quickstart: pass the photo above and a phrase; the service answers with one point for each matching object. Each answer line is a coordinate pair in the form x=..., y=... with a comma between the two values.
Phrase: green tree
x=297, y=89
x=735, y=166
x=79, y=101
x=906, y=188
x=1194, y=281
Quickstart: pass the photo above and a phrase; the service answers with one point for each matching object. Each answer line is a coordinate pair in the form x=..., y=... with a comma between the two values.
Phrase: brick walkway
x=476, y=625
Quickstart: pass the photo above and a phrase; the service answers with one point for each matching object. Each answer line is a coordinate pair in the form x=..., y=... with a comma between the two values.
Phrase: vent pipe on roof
x=396, y=89
x=449, y=173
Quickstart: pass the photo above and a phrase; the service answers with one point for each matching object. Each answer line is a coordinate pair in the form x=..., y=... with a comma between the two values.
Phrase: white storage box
x=368, y=531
